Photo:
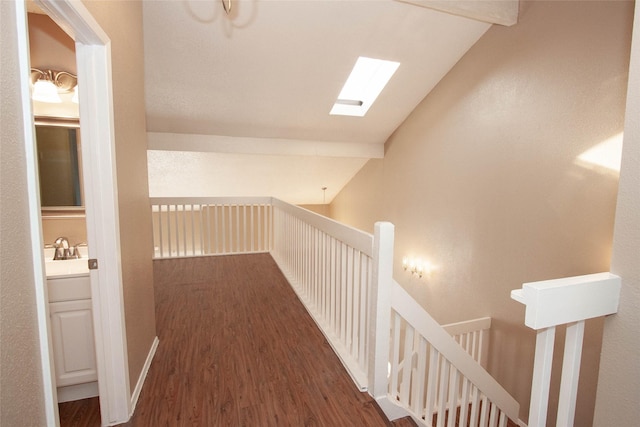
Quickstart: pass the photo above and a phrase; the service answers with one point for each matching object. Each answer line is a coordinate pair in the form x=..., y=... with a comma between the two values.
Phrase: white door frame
x=93, y=56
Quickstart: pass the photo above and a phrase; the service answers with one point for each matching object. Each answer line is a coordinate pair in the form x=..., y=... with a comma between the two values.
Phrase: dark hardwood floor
x=80, y=413
x=237, y=348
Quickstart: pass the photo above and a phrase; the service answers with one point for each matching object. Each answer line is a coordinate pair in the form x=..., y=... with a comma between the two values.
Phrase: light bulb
x=75, y=95
x=46, y=91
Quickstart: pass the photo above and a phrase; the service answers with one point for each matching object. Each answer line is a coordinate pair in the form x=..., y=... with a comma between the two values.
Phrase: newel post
x=380, y=309
x=570, y=301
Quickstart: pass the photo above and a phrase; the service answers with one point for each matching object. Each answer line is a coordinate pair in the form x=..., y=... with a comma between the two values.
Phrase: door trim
x=93, y=56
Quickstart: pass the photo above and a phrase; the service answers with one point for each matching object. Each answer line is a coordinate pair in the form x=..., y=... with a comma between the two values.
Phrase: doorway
x=95, y=99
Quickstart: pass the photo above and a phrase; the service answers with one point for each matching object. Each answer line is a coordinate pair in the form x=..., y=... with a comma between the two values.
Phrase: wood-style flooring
x=237, y=348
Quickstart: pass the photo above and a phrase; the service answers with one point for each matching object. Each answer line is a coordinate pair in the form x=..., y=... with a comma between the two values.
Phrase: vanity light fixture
x=367, y=79
x=74, y=99
x=47, y=84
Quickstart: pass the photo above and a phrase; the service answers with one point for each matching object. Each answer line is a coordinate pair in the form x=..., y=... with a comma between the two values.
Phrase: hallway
x=237, y=348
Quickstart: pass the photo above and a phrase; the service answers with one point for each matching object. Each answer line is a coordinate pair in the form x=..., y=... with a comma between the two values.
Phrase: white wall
x=619, y=379
x=295, y=179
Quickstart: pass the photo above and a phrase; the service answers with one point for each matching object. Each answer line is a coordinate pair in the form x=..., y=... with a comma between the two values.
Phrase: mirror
x=59, y=165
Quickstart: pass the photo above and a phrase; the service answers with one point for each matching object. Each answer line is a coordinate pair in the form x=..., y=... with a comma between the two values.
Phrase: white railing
x=433, y=376
x=187, y=226
x=329, y=265
x=390, y=346
x=568, y=301
x=472, y=335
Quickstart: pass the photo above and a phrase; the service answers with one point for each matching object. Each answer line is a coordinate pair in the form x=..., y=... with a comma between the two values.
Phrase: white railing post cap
x=571, y=299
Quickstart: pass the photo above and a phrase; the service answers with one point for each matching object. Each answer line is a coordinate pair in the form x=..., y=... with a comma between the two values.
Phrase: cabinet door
x=73, y=342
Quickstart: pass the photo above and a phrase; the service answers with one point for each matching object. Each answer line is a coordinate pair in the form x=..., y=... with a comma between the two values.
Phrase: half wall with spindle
x=329, y=265
x=210, y=226
x=438, y=380
x=566, y=301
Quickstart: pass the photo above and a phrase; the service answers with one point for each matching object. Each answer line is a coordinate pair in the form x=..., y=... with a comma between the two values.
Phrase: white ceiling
x=271, y=71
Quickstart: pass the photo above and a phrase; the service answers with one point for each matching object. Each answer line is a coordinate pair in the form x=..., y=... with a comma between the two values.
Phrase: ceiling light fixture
x=367, y=79
x=48, y=84
x=226, y=5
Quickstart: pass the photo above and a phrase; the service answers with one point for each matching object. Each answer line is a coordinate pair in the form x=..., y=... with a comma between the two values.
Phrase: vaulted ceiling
x=262, y=79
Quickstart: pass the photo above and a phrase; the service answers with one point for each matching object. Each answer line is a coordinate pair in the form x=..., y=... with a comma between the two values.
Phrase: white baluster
x=570, y=374
x=193, y=233
x=184, y=231
x=421, y=375
x=464, y=402
x=541, y=377
x=493, y=417
x=395, y=356
x=453, y=396
x=432, y=383
x=442, y=391
x=406, y=365
x=160, y=231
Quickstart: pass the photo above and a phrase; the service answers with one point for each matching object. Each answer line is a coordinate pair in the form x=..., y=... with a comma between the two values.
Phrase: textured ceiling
x=272, y=70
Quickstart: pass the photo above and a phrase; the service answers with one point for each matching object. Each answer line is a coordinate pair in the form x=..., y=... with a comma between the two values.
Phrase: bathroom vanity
x=69, y=289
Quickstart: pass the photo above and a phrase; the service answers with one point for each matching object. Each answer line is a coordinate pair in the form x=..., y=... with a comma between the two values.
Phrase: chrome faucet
x=63, y=250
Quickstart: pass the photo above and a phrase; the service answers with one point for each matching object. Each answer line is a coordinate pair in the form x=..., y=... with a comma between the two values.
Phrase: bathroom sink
x=66, y=268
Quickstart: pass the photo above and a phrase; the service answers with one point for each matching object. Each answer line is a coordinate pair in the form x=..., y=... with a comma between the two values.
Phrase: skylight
x=366, y=81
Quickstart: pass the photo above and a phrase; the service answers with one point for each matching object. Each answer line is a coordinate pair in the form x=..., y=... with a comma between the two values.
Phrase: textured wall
x=486, y=177
x=618, y=385
x=21, y=387
x=295, y=179
x=319, y=209
x=122, y=21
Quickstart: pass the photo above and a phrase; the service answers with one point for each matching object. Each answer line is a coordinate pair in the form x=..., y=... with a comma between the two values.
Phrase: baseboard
x=143, y=375
x=521, y=423
x=392, y=410
x=78, y=391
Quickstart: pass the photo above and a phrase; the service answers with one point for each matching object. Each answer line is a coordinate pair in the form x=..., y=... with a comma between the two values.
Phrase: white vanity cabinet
x=72, y=336
x=73, y=346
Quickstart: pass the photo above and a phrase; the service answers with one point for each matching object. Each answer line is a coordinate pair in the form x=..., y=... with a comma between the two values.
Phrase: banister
x=457, y=328
x=329, y=265
x=425, y=325
x=355, y=238
x=208, y=200
x=470, y=334
x=550, y=303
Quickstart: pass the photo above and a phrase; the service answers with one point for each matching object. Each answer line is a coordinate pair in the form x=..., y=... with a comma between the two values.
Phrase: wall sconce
x=48, y=84
x=417, y=266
